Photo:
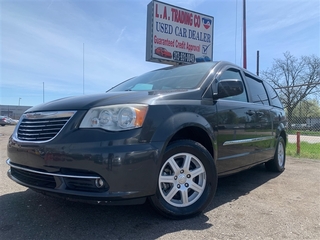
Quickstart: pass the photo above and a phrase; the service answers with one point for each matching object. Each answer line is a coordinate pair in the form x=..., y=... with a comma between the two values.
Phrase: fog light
x=99, y=183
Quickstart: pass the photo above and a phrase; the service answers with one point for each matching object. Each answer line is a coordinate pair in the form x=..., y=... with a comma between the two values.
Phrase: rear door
x=264, y=139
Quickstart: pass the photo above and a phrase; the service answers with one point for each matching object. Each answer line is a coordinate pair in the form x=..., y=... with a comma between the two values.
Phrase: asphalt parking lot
x=254, y=204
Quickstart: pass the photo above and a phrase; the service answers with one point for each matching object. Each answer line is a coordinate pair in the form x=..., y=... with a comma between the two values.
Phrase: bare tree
x=294, y=79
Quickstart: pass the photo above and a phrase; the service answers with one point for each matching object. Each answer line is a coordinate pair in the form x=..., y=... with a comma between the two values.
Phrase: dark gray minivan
x=165, y=136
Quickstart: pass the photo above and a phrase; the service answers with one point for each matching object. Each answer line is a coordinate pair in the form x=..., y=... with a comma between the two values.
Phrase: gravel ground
x=254, y=204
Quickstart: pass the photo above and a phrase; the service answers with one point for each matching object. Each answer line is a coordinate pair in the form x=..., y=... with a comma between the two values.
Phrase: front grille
x=34, y=179
x=42, y=126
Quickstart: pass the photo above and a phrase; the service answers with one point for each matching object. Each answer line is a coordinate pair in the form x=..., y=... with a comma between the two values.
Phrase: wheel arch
x=187, y=125
x=196, y=134
x=281, y=132
x=284, y=136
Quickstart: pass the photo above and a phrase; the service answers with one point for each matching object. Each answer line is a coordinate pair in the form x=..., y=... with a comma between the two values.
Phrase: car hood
x=86, y=102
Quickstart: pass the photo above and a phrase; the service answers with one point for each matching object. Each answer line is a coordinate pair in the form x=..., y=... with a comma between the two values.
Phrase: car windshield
x=171, y=78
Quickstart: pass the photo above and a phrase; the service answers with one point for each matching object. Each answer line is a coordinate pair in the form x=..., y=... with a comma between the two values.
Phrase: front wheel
x=187, y=180
x=278, y=162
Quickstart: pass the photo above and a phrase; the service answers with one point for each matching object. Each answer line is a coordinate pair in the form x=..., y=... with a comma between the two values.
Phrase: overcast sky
x=45, y=43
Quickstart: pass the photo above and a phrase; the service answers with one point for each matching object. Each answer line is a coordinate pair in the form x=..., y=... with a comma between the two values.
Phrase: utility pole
x=257, y=63
x=83, y=67
x=244, y=36
x=43, y=92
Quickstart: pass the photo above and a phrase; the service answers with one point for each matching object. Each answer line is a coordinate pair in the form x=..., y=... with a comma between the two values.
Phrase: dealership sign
x=178, y=36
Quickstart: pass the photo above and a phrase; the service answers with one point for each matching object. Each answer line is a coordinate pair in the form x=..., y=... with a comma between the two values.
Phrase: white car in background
x=4, y=120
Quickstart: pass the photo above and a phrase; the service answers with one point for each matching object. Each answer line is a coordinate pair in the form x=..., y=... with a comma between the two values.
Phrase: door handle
x=260, y=114
x=250, y=112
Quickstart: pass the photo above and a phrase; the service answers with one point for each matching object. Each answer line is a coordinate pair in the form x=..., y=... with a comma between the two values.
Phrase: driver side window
x=234, y=74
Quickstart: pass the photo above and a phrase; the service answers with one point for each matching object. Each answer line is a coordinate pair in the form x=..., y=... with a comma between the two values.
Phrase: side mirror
x=227, y=88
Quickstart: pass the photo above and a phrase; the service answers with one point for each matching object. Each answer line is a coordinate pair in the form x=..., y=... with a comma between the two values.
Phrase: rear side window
x=257, y=90
x=234, y=74
x=273, y=96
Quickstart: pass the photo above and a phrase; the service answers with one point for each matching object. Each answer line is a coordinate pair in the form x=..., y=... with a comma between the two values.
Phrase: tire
x=277, y=164
x=187, y=180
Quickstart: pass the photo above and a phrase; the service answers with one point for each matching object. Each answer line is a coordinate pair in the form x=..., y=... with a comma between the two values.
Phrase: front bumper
x=85, y=188
x=86, y=170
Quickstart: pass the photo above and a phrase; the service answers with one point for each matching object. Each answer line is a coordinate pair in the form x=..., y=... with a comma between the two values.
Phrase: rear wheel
x=187, y=180
x=277, y=164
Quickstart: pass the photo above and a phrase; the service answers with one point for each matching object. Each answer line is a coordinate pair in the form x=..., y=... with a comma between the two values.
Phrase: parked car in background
x=3, y=121
x=13, y=121
x=299, y=126
x=165, y=136
x=315, y=127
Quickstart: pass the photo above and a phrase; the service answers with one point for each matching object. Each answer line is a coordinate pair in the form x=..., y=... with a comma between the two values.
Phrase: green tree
x=304, y=110
x=295, y=79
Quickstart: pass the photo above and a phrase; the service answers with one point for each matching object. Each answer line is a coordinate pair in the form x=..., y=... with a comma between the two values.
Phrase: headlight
x=115, y=117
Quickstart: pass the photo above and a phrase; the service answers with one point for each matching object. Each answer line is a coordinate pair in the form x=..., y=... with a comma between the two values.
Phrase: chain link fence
x=304, y=136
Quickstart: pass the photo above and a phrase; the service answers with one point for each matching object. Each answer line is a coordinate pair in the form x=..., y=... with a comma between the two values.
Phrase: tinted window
x=273, y=96
x=234, y=74
x=183, y=77
x=258, y=92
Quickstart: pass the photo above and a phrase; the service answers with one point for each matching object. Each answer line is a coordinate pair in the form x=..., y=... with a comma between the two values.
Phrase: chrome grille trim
x=42, y=126
x=51, y=174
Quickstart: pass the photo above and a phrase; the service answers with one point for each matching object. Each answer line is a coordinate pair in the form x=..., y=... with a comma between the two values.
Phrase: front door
x=235, y=128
